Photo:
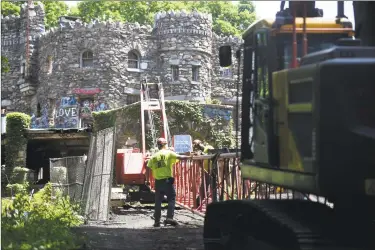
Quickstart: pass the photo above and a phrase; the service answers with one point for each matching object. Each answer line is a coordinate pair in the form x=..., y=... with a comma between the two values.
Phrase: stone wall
x=185, y=40
x=110, y=44
x=13, y=47
x=178, y=39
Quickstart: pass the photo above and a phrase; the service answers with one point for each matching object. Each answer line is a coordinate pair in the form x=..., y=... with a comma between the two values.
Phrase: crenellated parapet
x=96, y=26
x=230, y=40
x=182, y=14
x=9, y=23
x=182, y=22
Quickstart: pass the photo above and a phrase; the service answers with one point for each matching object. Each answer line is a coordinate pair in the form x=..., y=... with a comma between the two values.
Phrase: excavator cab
x=276, y=45
x=308, y=128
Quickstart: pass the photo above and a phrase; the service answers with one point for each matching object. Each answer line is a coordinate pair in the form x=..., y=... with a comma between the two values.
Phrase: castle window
x=133, y=60
x=38, y=110
x=226, y=72
x=175, y=72
x=23, y=70
x=49, y=64
x=195, y=73
x=87, y=59
x=132, y=99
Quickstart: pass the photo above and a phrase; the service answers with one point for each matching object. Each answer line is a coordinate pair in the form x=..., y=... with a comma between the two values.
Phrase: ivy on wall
x=183, y=118
x=16, y=140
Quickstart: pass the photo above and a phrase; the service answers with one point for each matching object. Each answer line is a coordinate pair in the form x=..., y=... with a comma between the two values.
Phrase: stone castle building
x=76, y=68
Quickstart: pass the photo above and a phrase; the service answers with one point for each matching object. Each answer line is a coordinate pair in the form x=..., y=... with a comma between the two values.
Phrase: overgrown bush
x=15, y=139
x=39, y=222
x=183, y=118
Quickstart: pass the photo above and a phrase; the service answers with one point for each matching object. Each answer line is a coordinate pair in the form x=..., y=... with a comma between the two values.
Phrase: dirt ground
x=131, y=228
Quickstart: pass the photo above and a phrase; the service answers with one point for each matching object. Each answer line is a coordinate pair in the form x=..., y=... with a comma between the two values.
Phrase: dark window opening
x=195, y=73
x=87, y=59
x=38, y=110
x=175, y=72
x=23, y=70
x=133, y=60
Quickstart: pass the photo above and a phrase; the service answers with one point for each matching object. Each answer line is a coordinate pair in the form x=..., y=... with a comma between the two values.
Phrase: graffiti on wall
x=66, y=113
x=100, y=106
x=87, y=106
x=43, y=120
x=212, y=113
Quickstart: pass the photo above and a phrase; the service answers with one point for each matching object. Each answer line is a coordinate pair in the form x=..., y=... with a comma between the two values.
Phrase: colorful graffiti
x=87, y=106
x=69, y=111
x=100, y=106
x=66, y=113
x=42, y=121
x=212, y=113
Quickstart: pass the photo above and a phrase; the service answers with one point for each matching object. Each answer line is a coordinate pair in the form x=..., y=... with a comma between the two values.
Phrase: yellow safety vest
x=162, y=163
x=206, y=162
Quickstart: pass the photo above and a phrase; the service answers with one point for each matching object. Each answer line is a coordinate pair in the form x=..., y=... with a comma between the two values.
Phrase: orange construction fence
x=198, y=184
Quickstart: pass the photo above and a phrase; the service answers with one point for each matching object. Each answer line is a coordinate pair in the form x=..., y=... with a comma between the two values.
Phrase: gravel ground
x=131, y=228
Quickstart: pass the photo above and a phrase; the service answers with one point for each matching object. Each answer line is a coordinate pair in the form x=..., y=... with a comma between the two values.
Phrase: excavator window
x=316, y=42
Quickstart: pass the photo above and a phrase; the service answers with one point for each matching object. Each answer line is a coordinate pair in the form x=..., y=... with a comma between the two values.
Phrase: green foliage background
x=53, y=10
x=39, y=222
x=5, y=67
x=228, y=18
x=183, y=118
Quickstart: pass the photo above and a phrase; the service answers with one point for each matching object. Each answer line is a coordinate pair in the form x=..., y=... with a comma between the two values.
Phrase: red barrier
x=196, y=187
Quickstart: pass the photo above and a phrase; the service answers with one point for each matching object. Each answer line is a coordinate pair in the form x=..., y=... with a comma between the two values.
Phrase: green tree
x=53, y=10
x=8, y=8
x=4, y=65
x=228, y=18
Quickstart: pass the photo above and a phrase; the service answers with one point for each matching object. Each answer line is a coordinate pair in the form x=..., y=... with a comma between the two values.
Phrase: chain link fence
x=67, y=175
x=88, y=182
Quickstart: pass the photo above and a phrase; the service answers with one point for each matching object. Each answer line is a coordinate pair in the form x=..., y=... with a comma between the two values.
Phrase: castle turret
x=185, y=47
x=15, y=86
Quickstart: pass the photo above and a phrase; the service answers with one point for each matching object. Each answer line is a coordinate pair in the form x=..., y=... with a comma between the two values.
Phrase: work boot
x=157, y=224
x=171, y=222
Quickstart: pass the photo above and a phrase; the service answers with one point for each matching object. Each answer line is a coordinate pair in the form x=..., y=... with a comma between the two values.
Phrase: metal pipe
x=294, y=45
x=304, y=30
x=143, y=123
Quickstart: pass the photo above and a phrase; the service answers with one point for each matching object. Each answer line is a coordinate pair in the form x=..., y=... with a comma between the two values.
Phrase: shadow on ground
x=99, y=238
x=131, y=228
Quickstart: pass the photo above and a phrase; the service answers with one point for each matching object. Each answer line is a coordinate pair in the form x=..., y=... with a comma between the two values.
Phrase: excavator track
x=282, y=224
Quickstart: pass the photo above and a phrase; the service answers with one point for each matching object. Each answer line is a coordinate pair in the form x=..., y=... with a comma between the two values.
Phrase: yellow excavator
x=308, y=125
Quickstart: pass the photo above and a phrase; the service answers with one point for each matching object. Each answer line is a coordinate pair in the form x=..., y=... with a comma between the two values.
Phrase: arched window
x=38, y=110
x=133, y=60
x=87, y=59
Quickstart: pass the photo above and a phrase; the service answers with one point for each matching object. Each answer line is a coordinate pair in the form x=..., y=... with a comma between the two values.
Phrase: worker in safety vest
x=198, y=146
x=161, y=164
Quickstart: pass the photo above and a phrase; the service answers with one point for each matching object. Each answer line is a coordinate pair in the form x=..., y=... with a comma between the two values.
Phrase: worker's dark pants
x=164, y=187
x=202, y=194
